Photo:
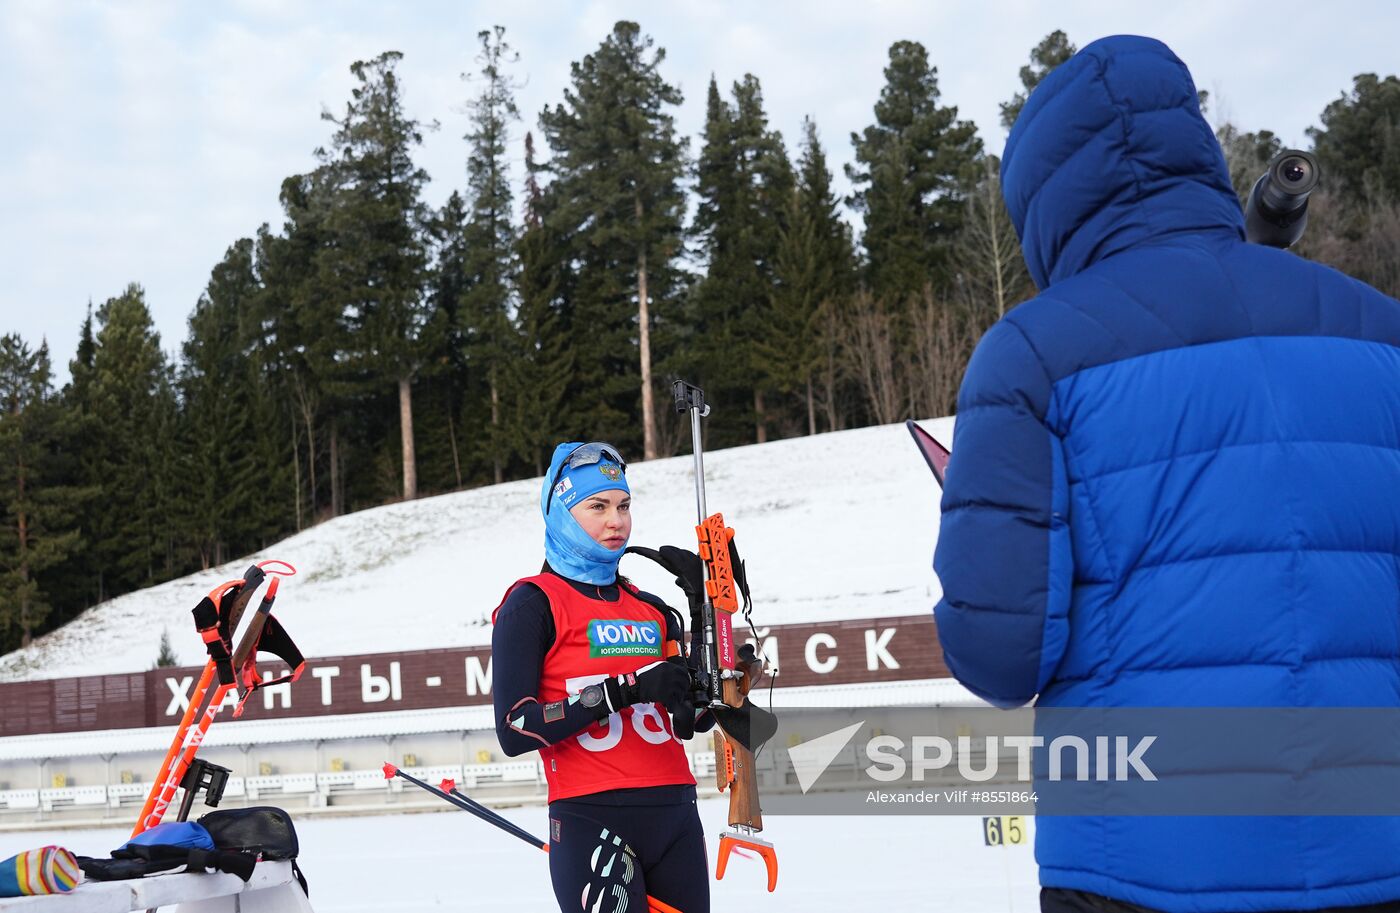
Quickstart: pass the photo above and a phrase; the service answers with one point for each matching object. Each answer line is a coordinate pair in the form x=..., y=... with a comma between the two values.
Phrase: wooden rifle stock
x=734, y=762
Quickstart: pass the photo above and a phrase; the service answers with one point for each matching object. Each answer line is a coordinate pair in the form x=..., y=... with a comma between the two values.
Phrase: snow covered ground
x=450, y=860
x=832, y=526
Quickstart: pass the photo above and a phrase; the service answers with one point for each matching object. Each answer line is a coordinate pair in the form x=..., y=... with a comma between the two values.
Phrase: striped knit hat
x=51, y=870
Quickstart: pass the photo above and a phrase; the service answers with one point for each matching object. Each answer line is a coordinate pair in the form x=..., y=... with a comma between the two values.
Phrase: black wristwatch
x=591, y=696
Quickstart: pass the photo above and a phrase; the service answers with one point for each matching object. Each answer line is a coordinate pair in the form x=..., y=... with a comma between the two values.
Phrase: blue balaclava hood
x=567, y=548
x=1111, y=152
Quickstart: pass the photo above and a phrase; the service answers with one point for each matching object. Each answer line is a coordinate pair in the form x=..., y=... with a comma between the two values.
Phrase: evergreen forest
x=371, y=348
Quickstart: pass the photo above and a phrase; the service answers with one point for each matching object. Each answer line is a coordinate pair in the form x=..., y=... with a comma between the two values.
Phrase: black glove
x=750, y=725
x=683, y=718
x=664, y=683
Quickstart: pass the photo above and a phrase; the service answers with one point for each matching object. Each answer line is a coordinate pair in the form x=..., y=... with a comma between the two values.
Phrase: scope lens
x=1294, y=171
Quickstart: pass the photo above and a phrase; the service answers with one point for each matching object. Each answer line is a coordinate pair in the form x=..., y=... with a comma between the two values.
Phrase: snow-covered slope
x=832, y=526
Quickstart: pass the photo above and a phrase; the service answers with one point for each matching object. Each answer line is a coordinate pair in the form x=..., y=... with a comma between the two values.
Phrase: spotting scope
x=1277, y=211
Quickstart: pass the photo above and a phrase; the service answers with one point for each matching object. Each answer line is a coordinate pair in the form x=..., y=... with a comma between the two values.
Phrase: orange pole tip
x=390, y=771
x=447, y=785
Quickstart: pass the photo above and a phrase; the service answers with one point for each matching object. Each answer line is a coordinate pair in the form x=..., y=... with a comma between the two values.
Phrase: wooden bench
x=272, y=889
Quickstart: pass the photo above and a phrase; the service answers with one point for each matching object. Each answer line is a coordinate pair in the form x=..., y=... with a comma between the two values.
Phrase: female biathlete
x=588, y=671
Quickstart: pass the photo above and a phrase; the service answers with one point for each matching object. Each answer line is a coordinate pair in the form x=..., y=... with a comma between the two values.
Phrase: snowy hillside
x=833, y=526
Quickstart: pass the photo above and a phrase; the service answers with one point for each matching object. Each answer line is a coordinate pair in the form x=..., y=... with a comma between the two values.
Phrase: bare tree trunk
x=988, y=252
x=308, y=415
x=497, y=470
x=811, y=407
x=23, y=518
x=942, y=346
x=873, y=355
x=649, y=451
x=830, y=372
x=410, y=460
x=452, y=437
x=335, y=470
x=760, y=417
x=296, y=470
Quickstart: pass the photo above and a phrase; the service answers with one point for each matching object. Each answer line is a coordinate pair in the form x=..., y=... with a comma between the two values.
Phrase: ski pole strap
x=206, y=621
x=276, y=641
x=265, y=635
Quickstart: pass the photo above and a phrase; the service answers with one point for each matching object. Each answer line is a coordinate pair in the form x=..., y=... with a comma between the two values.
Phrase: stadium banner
x=900, y=648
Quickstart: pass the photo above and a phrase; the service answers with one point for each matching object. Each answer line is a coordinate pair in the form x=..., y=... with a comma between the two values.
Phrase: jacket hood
x=1111, y=152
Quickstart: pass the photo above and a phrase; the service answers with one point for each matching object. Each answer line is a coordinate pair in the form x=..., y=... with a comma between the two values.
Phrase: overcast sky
x=142, y=138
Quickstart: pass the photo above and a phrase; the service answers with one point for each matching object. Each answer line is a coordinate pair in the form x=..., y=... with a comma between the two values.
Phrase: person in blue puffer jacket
x=1174, y=483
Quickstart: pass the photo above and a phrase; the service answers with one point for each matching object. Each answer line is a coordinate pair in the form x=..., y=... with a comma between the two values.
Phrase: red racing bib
x=593, y=639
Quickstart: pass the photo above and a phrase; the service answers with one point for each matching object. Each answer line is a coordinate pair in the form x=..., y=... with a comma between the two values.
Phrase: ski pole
x=489, y=814
x=153, y=810
x=216, y=703
x=182, y=752
x=468, y=804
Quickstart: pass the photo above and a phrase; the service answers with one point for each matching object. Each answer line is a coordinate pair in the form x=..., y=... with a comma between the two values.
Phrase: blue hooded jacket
x=1174, y=482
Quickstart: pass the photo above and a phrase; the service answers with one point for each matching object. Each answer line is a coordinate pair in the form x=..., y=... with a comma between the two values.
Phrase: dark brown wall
x=405, y=681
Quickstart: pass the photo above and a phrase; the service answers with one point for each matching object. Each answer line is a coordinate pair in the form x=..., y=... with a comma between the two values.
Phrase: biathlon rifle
x=726, y=675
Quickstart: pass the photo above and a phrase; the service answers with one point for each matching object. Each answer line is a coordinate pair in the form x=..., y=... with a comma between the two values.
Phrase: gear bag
x=263, y=830
x=176, y=845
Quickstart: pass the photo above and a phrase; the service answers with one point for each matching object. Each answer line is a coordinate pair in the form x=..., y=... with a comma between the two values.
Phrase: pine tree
x=38, y=509
x=814, y=272
x=131, y=399
x=298, y=336
x=166, y=657
x=375, y=269
x=537, y=377
x=489, y=267
x=913, y=168
x=1053, y=50
x=74, y=582
x=1358, y=144
x=744, y=182
x=617, y=202
x=223, y=479
x=440, y=455
x=79, y=389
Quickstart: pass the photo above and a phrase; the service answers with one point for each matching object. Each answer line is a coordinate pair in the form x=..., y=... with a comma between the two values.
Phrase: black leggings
x=609, y=851
x=1059, y=900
